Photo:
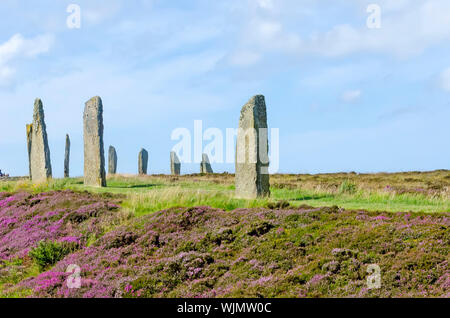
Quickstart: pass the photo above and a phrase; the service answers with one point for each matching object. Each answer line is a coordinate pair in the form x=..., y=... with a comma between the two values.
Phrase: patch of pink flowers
x=26, y=219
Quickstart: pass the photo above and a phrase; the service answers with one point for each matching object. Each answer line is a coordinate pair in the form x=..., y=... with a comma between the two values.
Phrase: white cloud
x=18, y=47
x=244, y=58
x=127, y=93
x=445, y=80
x=389, y=5
x=408, y=28
x=270, y=35
x=265, y=4
x=341, y=76
x=403, y=34
x=96, y=13
x=6, y=74
x=351, y=96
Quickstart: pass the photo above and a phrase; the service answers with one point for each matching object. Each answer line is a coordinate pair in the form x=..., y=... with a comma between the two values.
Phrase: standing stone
x=205, y=166
x=41, y=168
x=143, y=161
x=252, y=161
x=112, y=160
x=29, y=136
x=67, y=157
x=175, y=165
x=94, y=156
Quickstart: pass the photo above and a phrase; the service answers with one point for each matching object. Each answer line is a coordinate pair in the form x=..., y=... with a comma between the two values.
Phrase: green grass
x=17, y=270
x=365, y=200
x=146, y=194
x=300, y=244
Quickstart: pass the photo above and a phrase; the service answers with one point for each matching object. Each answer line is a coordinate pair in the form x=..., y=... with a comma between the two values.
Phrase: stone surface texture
x=40, y=165
x=67, y=158
x=175, y=165
x=143, y=161
x=205, y=165
x=112, y=160
x=29, y=136
x=94, y=157
x=252, y=175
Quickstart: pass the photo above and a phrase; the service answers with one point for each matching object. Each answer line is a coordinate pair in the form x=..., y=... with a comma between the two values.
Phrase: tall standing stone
x=112, y=160
x=41, y=168
x=29, y=136
x=143, y=161
x=94, y=156
x=67, y=157
x=175, y=165
x=252, y=161
x=205, y=166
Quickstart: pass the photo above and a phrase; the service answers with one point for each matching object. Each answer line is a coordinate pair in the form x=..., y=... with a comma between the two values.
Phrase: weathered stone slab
x=205, y=165
x=67, y=157
x=252, y=161
x=143, y=161
x=175, y=164
x=41, y=168
x=94, y=156
x=29, y=136
x=112, y=160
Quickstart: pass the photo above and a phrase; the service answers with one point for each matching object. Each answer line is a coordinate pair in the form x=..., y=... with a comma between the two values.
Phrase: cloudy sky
x=344, y=96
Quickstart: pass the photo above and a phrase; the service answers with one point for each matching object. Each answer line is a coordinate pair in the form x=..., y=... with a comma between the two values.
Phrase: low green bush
x=48, y=253
x=347, y=187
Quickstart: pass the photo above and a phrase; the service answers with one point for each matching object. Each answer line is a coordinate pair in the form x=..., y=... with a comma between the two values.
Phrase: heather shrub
x=283, y=204
x=284, y=251
x=48, y=253
x=27, y=219
x=296, y=252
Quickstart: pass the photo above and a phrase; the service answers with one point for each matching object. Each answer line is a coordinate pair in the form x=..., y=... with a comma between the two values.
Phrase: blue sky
x=344, y=97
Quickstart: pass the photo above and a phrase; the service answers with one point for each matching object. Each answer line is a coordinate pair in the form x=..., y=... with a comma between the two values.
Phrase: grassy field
x=208, y=252
x=189, y=236
x=396, y=192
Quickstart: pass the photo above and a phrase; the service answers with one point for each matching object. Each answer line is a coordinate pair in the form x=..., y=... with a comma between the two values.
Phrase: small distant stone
x=67, y=158
x=112, y=160
x=175, y=165
x=205, y=165
x=143, y=161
